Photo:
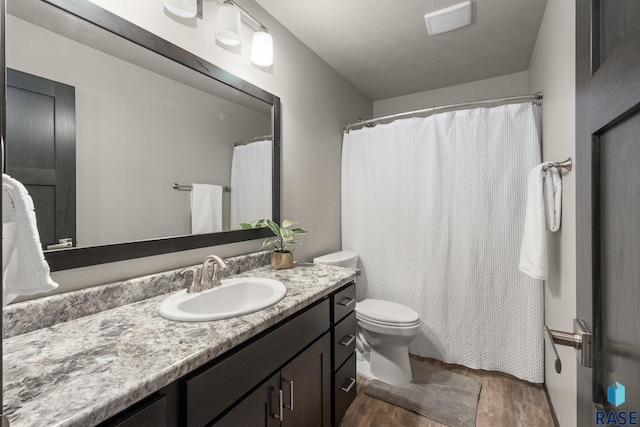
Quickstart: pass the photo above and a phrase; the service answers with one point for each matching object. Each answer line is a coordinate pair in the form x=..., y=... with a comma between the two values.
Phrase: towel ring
x=567, y=165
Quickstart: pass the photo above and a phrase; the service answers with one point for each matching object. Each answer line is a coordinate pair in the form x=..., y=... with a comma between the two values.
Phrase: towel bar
x=184, y=187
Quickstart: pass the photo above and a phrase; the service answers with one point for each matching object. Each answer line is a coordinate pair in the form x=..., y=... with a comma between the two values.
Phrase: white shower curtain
x=435, y=208
x=251, y=172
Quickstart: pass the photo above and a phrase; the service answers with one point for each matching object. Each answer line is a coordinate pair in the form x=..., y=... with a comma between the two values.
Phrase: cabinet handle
x=280, y=415
x=348, y=388
x=347, y=340
x=290, y=406
x=347, y=301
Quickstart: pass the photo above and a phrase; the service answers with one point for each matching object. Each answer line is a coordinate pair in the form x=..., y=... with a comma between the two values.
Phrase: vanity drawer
x=344, y=339
x=344, y=302
x=345, y=388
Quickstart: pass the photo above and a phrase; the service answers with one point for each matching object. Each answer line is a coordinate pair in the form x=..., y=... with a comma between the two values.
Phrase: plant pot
x=281, y=260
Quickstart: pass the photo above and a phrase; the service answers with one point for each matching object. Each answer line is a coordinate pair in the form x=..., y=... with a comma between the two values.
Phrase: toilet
x=385, y=330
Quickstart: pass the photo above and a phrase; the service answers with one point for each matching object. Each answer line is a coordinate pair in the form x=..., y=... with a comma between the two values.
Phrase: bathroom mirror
x=140, y=115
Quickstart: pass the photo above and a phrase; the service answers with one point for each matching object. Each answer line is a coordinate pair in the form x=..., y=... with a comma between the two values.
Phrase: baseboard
x=553, y=411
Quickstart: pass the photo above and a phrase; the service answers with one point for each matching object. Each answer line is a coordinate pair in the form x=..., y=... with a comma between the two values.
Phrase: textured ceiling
x=383, y=48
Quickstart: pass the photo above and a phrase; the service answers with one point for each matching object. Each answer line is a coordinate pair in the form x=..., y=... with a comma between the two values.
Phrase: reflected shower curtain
x=251, y=172
x=435, y=207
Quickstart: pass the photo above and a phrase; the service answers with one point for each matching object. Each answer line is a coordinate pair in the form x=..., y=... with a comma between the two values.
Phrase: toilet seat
x=388, y=324
x=386, y=313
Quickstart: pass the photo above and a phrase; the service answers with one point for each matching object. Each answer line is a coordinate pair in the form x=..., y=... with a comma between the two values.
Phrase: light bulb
x=262, y=48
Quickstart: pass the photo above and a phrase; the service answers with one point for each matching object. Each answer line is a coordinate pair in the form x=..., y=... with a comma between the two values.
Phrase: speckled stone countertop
x=85, y=370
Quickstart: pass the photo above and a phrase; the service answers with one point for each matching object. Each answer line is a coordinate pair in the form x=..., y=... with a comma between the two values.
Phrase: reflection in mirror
x=136, y=124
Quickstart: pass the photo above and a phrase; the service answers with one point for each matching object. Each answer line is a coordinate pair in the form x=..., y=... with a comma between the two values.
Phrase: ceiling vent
x=449, y=19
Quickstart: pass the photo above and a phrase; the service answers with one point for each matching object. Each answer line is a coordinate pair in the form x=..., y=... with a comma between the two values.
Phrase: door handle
x=580, y=339
x=67, y=242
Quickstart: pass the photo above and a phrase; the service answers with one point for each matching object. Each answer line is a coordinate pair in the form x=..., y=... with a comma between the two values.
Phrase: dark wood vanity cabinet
x=300, y=372
x=299, y=351
x=343, y=327
x=297, y=395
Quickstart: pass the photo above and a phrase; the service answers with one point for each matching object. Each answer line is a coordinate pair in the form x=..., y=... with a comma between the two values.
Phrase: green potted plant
x=281, y=255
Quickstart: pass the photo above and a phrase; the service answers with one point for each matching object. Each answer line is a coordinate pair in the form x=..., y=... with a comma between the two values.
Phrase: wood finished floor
x=505, y=401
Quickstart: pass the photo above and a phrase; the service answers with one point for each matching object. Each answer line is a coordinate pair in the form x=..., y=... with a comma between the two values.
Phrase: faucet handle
x=195, y=285
x=211, y=278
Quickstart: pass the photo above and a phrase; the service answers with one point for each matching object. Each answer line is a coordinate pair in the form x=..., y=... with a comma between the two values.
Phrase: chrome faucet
x=211, y=279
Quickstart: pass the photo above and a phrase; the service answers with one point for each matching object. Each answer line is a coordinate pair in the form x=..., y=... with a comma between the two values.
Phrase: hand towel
x=25, y=271
x=206, y=208
x=533, y=252
x=553, y=198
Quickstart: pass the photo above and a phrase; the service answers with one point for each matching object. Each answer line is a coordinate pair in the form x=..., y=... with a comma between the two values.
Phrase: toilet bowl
x=385, y=330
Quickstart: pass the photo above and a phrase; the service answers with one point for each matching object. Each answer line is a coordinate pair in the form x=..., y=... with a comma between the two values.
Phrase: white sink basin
x=234, y=297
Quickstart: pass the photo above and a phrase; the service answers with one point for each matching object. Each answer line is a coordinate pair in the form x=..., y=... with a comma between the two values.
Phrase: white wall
x=552, y=71
x=316, y=103
x=495, y=87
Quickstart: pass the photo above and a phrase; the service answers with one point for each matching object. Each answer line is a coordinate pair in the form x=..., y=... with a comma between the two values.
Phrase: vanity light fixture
x=262, y=43
x=182, y=8
x=228, y=26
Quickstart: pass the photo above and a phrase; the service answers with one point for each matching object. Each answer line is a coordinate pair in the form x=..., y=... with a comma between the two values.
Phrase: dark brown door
x=41, y=137
x=608, y=205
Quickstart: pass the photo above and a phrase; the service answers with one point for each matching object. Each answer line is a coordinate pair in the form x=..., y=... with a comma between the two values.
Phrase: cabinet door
x=260, y=408
x=306, y=386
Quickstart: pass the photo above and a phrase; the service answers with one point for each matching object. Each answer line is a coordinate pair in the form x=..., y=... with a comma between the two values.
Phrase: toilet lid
x=386, y=312
x=389, y=324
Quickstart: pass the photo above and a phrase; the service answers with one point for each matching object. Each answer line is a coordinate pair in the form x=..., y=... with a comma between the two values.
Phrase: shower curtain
x=435, y=207
x=251, y=172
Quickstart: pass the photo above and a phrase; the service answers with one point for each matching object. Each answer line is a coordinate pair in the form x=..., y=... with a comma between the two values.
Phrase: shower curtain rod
x=536, y=98
x=254, y=139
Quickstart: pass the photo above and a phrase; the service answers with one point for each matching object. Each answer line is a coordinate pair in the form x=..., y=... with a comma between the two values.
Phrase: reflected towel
x=553, y=198
x=533, y=252
x=25, y=271
x=206, y=208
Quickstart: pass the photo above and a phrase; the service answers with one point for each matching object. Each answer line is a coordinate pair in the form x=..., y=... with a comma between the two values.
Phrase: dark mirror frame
x=65, y=259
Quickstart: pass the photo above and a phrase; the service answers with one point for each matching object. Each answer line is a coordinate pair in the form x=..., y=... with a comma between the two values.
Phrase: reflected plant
x=285, y=235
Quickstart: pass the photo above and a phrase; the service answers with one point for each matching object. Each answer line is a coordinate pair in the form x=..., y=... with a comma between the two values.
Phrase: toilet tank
x=340, y=259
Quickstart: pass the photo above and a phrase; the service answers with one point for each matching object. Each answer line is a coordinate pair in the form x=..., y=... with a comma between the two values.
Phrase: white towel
x=553, y=198
x=25, y=271
x=206, y=208
x=533, y=252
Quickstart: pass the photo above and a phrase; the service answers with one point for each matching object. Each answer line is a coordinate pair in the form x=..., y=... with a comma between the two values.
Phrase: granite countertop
x=83, y=371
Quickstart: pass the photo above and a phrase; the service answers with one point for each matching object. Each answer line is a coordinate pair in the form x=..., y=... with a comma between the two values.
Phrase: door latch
x=62, y=243
x=580, y=339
